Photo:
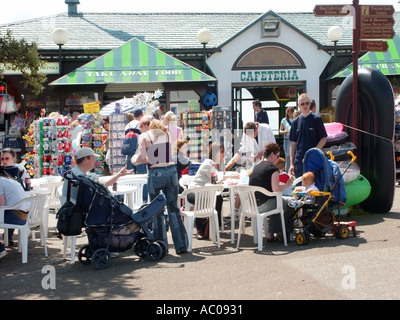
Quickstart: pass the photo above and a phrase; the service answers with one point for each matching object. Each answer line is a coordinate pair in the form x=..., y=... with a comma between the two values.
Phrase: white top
x=12, y=192
x=132, y=125
x=203, y=174
x=265, y=135
x=75, y=131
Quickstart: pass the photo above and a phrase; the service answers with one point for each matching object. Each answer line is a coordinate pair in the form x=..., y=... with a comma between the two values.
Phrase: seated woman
x=10, y=193
x=14, y=170
x=202, y=177
x=266, y=174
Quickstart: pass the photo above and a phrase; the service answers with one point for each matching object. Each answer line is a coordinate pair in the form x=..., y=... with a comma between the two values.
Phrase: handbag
x=70, y=216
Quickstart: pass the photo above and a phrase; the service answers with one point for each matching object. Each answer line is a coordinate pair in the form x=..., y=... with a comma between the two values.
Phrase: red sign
x=377, y=10
x=380, y=33
x=371, y=45
x=330, y=10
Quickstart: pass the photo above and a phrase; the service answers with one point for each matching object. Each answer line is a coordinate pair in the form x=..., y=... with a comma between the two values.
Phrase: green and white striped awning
x=133, y=62
x=386, y=62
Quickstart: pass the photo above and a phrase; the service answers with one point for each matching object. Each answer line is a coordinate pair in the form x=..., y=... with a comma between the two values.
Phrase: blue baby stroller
x=318, y=217
x=111, y=226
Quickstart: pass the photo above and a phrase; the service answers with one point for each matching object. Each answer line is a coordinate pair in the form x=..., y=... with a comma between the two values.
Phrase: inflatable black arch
x=375, y=153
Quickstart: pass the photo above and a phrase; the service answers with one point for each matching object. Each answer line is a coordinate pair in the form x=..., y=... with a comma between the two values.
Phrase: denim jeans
x=286, y=148
x=165, y=179
x=11, y=218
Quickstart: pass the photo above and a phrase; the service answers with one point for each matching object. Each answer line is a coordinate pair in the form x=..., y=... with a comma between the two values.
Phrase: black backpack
x=70, y=216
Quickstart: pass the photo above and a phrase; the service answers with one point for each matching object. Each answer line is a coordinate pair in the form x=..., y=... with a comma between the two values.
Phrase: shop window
x=78, y=99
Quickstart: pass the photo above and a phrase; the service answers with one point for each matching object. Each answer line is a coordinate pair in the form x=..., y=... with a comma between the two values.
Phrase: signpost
x=374, y=45
x=329, y=10
x=372, y=24
x=377, y=22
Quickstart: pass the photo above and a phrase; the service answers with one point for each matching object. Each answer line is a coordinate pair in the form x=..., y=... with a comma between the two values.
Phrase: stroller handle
x=330, y=154
x=353, y=157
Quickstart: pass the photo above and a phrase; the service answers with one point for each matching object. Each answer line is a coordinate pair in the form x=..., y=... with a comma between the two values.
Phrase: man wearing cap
x=85, y=159
x=138, y=114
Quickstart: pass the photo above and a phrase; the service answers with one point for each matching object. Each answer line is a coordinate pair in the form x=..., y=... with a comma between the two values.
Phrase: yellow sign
x=91, y=107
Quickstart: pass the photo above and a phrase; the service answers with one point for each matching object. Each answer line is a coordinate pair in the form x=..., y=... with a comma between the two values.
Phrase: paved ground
x=361, y=267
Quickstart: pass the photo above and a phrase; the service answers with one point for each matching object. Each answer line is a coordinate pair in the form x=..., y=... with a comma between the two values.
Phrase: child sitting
x=283, y=176
x=307, y=186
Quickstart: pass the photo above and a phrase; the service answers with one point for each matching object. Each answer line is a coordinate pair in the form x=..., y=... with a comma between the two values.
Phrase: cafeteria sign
x=269, y=75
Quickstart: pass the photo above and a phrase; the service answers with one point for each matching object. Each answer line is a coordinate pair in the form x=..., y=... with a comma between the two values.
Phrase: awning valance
x=133, y=62
x=386, y=62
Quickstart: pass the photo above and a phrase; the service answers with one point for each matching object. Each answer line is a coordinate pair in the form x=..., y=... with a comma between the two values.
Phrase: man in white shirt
x=256, y=137
x=138, y=114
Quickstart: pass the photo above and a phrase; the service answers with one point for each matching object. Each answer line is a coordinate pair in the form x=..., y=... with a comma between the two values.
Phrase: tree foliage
x=24, y=57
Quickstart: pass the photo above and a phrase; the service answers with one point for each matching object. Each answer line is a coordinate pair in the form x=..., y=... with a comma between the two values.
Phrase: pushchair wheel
x=342, y=233
x=101, y=259
x=163, y=247
x=84, y=255
x=141, y=247
x=154, y=251
x=302, y=238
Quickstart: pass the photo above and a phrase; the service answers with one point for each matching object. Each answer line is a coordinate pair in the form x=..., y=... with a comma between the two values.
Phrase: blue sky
x=17, y=10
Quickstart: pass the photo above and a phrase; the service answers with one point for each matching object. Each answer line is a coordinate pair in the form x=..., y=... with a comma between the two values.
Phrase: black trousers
x=200, y=221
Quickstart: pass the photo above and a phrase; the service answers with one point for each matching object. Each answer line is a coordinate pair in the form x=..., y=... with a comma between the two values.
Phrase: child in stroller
x=316, y=215
x=111, y=226
x=302, y=194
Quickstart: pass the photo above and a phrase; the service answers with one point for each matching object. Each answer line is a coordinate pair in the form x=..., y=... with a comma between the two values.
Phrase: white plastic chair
x=138, y=193
x=184, y=182
x=248, y=208
x=35, y=218
x=54, y=189
x=69, y=241
x=204, y=207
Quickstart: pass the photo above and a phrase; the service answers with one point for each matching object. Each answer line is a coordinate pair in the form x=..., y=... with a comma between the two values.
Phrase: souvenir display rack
x=93, y=137
x=53, y=146
x=222, y=129
x=115, y=138
x=196, y=127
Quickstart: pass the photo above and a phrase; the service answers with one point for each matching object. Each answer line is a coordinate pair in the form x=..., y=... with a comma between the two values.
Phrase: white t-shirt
x=265, y=135
x=132, y=125
x=12, y=192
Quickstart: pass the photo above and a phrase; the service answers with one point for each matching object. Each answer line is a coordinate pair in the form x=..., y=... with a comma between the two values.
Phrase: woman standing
x=155, y=148
x=11, y=192
x=284, y=129
x=174, y=131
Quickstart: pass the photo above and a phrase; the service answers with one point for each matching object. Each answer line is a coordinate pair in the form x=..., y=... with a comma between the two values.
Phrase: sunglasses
x=305, y=103
x=7, y=158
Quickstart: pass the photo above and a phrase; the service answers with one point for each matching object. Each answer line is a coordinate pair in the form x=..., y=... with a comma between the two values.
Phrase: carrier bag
x=70, y=216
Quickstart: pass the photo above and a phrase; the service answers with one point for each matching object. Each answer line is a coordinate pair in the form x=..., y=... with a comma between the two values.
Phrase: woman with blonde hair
x=170, y=122
x=155, y=149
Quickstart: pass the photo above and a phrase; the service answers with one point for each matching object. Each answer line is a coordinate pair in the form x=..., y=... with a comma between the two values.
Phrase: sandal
x=271, y=238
